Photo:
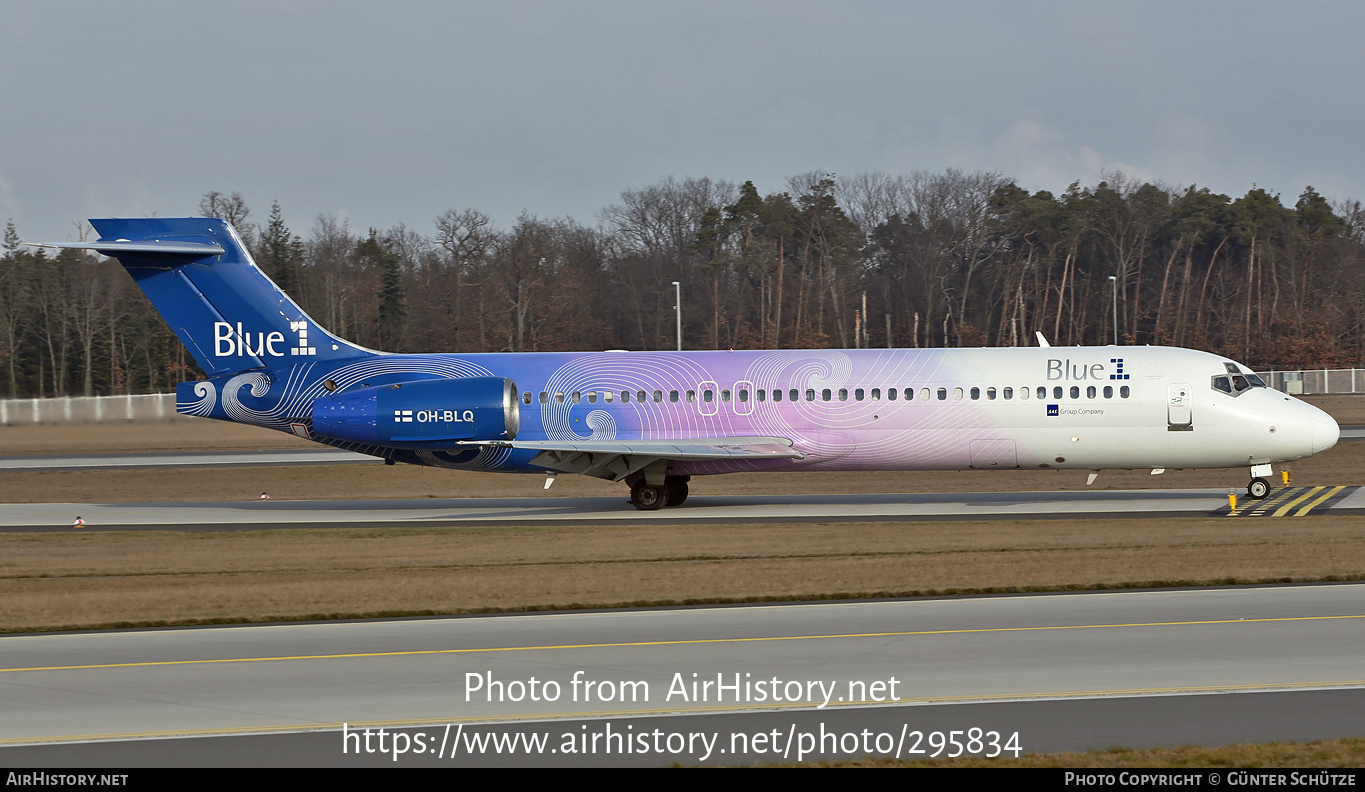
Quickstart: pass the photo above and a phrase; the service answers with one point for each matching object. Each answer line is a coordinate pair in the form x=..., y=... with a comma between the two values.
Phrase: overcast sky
x=396, y=112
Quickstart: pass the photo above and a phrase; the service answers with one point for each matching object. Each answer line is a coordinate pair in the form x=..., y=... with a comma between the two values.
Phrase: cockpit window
x=1237, y=381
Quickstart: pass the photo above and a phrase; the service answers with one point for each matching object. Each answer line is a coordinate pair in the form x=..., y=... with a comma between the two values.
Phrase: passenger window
x=923, y=394
x=957, y=394
x=1008, y=393
x=559, y=397
x=691, y=397
x=673, y=396
x=1108, y=391
x=858, y=394
x=760, y=393
x=743, y=395
x=942, y=394
x=577, y=397
x=640, y=396
x=725, y=396
x=544, y=397
x=1057, y=392
x=592, y=397
x=976, y=394
x=707, y=396
x=659, y=396
x=1123, y=391
x=625, y=397
x=877, y=394
x=777, y=395
x=1075, y=391
x=1090, y=392
x=810, y=394
x=1023, y=393
x=990, y=394
x=843, y=394
x=795, y=395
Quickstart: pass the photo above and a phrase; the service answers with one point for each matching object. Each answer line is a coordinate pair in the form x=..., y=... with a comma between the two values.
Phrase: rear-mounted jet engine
x=423, y=413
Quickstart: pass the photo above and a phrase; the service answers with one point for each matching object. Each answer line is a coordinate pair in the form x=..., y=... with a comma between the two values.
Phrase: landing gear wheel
x=647, y=498
x=677, y=490
x=1258, y=488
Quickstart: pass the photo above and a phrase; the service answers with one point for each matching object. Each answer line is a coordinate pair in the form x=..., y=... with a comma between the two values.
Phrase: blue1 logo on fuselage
x=1066, y=370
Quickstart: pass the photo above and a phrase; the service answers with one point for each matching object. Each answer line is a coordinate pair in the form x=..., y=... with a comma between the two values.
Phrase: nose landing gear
x=1259, y=486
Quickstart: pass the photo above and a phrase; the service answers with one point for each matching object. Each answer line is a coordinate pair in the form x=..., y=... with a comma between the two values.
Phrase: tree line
x=872, y=260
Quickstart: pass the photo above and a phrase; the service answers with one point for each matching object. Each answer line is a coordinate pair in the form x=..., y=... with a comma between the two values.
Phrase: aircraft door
x=993, y=454
x=1179, y=413
x=708, y=397
x=744, y=397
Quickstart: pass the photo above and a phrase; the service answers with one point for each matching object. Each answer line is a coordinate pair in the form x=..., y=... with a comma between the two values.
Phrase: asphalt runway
x=1062, y=671
x=255, y=514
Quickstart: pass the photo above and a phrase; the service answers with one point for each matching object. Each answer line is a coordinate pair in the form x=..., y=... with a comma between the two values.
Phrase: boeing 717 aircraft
x=655, y=419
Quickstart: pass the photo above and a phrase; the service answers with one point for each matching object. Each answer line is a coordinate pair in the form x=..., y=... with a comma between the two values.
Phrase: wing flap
x=617, y=459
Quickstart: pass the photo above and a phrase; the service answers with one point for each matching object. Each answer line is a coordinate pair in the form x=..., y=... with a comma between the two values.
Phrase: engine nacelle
x=433, y=413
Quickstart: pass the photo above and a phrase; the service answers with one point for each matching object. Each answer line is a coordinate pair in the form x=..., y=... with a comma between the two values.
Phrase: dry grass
x=71, y=580
x=1347, y=753
x=68, y=580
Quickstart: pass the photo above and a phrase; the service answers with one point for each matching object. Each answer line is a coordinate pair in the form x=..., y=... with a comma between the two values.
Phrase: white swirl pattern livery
x=653, y=419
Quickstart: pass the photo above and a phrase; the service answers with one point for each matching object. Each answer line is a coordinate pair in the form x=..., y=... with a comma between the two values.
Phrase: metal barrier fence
x=1311, y=381
x=161, y=406
x=87, y=409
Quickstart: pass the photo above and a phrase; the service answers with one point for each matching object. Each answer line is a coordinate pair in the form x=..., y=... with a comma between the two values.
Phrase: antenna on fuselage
x=1042, y=342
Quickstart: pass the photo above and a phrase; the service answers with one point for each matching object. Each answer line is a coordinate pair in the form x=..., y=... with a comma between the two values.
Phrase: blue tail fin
x=230, y=316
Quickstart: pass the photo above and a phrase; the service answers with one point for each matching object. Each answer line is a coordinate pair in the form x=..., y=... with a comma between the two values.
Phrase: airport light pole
x=677, y=309
x=1115, y=291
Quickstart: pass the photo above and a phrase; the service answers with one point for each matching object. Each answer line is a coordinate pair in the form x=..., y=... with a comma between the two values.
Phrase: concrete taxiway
x=183, y=459
x=568, y=511
x=858, y=663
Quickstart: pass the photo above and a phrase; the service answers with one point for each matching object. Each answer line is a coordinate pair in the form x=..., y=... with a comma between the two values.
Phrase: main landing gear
x=649, y=498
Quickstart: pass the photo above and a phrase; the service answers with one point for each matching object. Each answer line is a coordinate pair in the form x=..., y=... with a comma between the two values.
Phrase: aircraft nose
x=1326, y=432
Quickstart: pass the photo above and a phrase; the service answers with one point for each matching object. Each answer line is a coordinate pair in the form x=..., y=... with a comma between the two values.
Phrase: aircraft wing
x=616, y=459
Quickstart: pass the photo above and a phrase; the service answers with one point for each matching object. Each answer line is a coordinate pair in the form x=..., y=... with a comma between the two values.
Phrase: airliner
x=655, y=419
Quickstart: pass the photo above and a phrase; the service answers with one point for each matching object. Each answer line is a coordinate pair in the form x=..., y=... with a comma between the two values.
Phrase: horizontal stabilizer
x=169, y=248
